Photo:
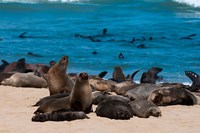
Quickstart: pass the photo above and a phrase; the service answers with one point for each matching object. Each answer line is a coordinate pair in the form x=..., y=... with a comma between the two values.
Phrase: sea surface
x=162, y=26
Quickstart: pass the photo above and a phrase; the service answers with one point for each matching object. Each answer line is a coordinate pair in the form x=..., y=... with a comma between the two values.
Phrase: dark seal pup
x=144, y=109
x=57, y=78
x=59, y=116
x=114, y=109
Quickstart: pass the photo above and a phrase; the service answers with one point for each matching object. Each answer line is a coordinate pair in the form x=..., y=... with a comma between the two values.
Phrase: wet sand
x=16, y=113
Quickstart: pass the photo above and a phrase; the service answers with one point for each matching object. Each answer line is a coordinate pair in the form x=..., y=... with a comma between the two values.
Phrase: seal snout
x=84, y=76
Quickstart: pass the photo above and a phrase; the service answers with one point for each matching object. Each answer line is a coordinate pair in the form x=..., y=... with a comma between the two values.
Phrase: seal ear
x=102, y=74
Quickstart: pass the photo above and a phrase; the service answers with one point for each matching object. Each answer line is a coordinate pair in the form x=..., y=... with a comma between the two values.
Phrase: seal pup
x=81, y=95
x=59, y=116
x=144, y=109
x=195, y=80
x=80, y=98
x=25, y=80
x=173, y=96
x=57, y=79
x=114, y=109
x=151, y=75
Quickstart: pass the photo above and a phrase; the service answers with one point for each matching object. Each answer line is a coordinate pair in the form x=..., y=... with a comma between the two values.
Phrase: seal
x=59, y=116
x=114, y=109
x=151, y=75
x=25, y=80
x=80, y=98
x=144, y=109
x=81, y=95
x=173, y=96
x=118, y=74
x=57, y=78
x=4, y=76
x=195, y=80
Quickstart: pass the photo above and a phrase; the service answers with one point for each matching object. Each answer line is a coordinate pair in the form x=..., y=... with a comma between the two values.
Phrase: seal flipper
x=22, y=35
x=102, y=74
x=195, y=79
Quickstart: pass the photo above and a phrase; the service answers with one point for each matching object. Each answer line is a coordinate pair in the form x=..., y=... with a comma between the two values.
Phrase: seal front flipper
x=102, y=74
x=195, y=80
x=22, y=35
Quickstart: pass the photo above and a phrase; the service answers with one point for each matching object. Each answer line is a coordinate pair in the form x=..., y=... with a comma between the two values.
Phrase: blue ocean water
x=52, y=24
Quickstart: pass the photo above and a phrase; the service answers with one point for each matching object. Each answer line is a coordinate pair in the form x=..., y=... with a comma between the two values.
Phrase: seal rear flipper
x=102, y=74
x=195, y=80
x=59, y=116
x=131, y=77
x=195, y=99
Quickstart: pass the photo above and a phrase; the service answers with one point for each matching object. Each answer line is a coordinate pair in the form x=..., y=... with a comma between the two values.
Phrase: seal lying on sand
x=25, y=80
x=144, y=109
x=173, y=96
x=80, y=98
x=59, y=116
x=57, y=79
x=114, y=109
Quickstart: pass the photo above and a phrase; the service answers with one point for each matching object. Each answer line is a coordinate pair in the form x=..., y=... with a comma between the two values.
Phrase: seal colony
x=72, y=96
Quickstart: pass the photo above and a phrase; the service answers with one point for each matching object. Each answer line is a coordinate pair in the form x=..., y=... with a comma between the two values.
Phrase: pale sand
x=16, y=113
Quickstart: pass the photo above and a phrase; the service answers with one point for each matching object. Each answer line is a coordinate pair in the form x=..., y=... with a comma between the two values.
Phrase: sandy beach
x=16, y=113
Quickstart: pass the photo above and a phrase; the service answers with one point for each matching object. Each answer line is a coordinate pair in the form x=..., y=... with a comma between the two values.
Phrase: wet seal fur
x=195, y=80
x=114, y=109
x=144, y=109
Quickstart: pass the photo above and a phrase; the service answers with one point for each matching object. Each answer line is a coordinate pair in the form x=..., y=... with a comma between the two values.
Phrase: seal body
x=81, y=95
x=57, y=78
x=118, y=74
x=114, y=109
x=144, y=109
x=25, y=80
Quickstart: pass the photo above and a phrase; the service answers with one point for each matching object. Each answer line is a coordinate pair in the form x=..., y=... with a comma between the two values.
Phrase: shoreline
x=17, y=111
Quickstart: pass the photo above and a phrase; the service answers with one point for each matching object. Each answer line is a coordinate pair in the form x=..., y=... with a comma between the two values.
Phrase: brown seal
x=118, y=74
x=57, y=78
x=80, y=98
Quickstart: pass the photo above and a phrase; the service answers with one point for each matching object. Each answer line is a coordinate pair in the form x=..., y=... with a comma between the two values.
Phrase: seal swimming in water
x=144, y=109
x=173, y=96
x=151, y=75
x=80, y=98
x=57, y=78
x=114, y=109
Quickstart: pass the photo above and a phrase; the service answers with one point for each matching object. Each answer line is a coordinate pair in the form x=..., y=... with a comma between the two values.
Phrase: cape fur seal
x=57, y=78
x=25, y=80
x=81, y=95
x=114, y=109
x=4, y=65
x=59, y=116
x=173, y=96
x=80, y=98
x=151, y=75
x=118, y=74
x=144, y=109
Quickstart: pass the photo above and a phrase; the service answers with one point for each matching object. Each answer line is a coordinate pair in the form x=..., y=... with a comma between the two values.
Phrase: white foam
x=194, y=3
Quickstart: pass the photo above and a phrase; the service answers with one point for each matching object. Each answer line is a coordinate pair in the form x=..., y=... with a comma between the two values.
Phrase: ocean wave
x=194, y=3
x=41, y=1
